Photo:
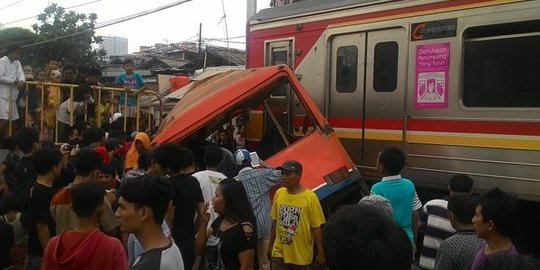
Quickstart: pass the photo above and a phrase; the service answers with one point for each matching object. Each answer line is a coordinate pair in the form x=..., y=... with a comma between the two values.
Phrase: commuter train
x=455, y=84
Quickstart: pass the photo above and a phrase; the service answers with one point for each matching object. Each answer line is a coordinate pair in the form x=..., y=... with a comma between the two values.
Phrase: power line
x=35, y=16
x=12, y=4
x=112, y=22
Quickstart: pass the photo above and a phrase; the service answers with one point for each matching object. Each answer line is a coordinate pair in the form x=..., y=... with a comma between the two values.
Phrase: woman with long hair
x=229, y=243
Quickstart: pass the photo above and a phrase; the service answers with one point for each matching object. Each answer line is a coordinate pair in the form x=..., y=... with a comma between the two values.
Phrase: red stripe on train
x=461, y=126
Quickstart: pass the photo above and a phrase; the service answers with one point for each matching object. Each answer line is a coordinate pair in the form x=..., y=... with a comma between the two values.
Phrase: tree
x=67, y=36
x=17, y=35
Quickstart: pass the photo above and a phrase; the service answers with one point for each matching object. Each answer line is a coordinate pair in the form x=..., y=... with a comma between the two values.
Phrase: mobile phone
x=70, y=147
x=255, y=161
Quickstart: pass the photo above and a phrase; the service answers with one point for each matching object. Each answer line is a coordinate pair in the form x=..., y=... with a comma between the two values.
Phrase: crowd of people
x=58, y=97
x=108, y=199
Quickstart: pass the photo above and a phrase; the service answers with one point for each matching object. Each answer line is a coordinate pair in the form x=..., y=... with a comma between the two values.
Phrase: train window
x=501, y=67
x=385, y=68
x=346, y=69
x=280, y=56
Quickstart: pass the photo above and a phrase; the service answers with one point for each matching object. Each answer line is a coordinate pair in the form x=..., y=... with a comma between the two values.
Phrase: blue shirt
x=403, y=198
x=257, y=183
x=135, y=81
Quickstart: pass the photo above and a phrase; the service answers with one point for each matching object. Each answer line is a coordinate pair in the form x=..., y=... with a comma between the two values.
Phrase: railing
x=51, y=97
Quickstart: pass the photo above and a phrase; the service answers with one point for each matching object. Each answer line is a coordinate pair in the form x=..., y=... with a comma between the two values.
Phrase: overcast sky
x=176, y=24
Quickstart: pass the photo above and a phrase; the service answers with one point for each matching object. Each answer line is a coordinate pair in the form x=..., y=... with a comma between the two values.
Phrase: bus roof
x=211, y=98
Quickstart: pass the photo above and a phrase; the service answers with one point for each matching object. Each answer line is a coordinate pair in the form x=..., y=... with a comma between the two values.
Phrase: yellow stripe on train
x=446, y=138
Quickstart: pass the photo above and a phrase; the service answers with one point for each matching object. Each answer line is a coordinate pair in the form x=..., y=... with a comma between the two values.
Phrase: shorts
x=4, y=109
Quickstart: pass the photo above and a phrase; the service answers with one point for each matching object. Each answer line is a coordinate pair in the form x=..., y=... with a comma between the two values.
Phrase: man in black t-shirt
x=47, y=164
x=27, y=139
x=178, y=162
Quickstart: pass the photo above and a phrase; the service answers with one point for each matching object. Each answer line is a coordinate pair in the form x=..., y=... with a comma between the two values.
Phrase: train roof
x=309, y=7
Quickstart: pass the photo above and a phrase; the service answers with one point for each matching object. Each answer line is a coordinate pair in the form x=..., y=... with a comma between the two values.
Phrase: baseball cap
x=290, y=166
x=241, y=155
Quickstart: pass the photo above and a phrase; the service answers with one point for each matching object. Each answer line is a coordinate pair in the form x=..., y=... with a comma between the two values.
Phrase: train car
x=455, y=84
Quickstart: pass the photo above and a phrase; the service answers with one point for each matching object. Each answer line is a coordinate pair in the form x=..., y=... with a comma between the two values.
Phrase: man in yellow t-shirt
x=296, y=223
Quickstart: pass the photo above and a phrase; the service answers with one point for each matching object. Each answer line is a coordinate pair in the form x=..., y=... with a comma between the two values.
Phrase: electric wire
x=112, y=22
x=35, y=16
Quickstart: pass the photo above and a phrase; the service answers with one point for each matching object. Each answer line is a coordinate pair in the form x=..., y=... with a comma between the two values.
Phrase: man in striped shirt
x=437, y=221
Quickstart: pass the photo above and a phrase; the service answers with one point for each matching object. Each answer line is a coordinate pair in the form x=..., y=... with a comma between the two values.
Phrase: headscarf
x=132, y=156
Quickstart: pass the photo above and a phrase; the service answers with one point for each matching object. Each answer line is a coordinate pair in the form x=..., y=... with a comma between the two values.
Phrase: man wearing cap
x=257, y=183
x=297, y=218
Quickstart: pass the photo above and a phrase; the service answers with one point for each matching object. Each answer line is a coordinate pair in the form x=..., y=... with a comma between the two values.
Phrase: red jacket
x=90, y=250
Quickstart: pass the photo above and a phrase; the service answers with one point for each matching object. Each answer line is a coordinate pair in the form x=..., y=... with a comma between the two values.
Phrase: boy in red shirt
x=85, y=246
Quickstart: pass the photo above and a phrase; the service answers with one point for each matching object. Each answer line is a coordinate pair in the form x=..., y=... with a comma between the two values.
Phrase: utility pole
x=251, y=9
x=200, y=44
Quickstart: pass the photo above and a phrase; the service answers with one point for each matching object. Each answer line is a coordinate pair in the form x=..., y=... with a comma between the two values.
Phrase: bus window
x=501, y=66
x=283, y=125
x=385, y=68
x=346, y=69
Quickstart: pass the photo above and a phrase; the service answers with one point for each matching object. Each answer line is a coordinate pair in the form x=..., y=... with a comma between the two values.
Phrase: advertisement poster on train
x=432, y=63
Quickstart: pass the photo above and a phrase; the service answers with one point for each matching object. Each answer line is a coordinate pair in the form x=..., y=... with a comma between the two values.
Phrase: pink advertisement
x=432, y=62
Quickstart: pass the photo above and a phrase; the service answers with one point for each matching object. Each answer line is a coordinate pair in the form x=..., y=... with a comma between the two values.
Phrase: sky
x=176, y=24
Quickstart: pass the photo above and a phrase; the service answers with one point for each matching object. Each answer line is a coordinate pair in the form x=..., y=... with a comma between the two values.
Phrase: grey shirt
x=457, y=252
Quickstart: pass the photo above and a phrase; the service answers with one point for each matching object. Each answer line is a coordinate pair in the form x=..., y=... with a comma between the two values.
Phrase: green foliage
x=54, y=24
x=20, y=36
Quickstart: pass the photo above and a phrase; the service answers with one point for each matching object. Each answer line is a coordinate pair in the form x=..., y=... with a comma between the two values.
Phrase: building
x=114, y=45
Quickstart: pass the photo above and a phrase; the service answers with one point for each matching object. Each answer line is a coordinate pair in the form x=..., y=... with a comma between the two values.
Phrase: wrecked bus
x=281, y=123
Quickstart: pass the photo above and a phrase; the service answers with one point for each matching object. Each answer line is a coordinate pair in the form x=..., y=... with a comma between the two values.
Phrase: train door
x=385, y=92
x=346, y=99
x=367, y=91
x=278, y=52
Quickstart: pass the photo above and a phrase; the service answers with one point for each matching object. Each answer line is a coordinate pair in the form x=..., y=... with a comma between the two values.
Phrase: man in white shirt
x=11, y=80
x=209, y=179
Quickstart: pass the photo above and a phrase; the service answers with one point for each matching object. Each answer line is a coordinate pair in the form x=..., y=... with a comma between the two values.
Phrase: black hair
x=105, y=93
x=93, y=135
x=144, y=160
x=173, y=157
x=45, y=159
x=108, y=169
x=86, y=198
x=117, y=133
x=87, y=161
x=78, y=95
x=9, y=201
x=111, y=144
x=53, y=58
x=127, y=61
x=392, y=159
x=501, y=209
x=461, y=183
x=360, y=237
x=463, y=206
x=237, y=206
x=93, y=71
x=510, y=262
x=69, y=67
x=83, y=69
x=26, y=138
x=10, y=143
x=213, y=155
x=71, y=129
x=153, y=191
x=13, y=48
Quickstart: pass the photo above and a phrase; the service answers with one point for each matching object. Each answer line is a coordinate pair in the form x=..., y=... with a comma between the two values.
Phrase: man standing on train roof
x=11, y=80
